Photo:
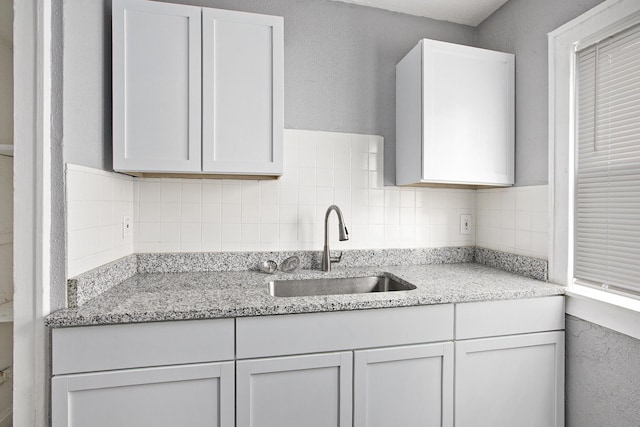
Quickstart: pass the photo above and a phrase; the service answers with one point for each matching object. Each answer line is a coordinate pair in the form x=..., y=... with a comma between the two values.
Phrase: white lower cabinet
x=373, y=368
x=404, y=386
x=510, y=381
x=188, y=395
x=310, y=391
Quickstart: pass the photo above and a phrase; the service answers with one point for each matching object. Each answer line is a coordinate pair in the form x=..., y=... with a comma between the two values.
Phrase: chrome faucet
x=327, y=259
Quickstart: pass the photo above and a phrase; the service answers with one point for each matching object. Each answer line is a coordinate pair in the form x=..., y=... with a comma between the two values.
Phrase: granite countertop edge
x=154, y=297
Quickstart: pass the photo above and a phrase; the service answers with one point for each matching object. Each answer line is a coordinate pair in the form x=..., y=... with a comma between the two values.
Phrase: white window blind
x=607, y=217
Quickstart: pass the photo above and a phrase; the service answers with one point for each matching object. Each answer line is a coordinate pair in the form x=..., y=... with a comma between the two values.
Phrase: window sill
x=615, y=312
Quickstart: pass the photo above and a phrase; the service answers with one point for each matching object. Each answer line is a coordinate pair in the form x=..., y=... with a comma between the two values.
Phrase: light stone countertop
x=151, y=297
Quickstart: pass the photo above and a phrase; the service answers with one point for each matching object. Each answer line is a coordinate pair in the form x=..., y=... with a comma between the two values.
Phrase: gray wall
x=602, y=376
x=521, y=27
x=339, y=68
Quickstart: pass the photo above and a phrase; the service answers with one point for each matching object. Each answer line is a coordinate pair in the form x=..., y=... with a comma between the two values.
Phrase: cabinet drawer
x=495, y=318
x=100, y=348
x=343, y=330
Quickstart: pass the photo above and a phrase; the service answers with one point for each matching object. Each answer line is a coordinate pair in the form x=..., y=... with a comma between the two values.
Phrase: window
x=572, y=57
x=607, y=163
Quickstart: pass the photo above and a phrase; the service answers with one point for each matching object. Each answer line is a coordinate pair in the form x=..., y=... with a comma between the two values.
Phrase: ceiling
x=466, y=12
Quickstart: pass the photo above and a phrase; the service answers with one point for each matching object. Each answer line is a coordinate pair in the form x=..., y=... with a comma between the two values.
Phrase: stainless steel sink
x=350, y=285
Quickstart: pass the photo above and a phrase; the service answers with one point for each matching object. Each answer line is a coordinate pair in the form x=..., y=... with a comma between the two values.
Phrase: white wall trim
x=615, y=317
x=602, y=20
x=32, y=183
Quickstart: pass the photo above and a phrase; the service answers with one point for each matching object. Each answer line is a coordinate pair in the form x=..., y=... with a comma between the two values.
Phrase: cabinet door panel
x=404, y=386
x=243, y=92
x=156, y=87
x=310, y=391
x=189, y=395
x=510, y=381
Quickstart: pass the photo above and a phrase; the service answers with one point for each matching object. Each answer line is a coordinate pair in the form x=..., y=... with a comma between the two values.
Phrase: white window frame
x=613, y=311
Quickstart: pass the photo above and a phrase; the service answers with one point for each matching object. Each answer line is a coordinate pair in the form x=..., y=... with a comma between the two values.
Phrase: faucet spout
x=343, y=234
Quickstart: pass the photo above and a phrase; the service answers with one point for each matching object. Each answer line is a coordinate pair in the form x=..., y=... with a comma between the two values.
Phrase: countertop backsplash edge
x=90, y=284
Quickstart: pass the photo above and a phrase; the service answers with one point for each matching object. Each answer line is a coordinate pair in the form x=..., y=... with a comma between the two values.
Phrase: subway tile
x=359, y=143
x=307, y=177
x=150, y=191
x=250, y=212
x=523, y=220
x=269, y=214
x=324, y=153
x=170, y=191
x=149, y=231
x=407, y=198
x=170, y=212
x=231, y=192
x=231, y=233
x=359, y=161
x=407, y=216
x=324, y=177
x=376, y=235
x=150, y=212
x=342, y=178
x=376, y=215
x=191, y=212
x=232, y=213
x=269, y=192
x=307, y=214
x=341, y=153
x=391, y=198
x=170, y=232
x=211, y=234
x=250, y=233
x=288, y=214
x=359, y=179
x=307, y=195
x=508, y=219
x=423, y=199
x=307, y=145
x=212, y=192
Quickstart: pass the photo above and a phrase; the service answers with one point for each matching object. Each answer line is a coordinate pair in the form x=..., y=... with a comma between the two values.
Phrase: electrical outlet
x=126, y=227
x=465, y=224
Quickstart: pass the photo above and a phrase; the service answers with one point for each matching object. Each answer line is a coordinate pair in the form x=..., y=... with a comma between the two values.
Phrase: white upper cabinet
x=196, y=90
x=454, y=116
x=243, y=86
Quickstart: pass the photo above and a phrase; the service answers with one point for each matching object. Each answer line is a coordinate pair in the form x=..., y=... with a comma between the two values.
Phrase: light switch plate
x=465, y=223
x=126, y=227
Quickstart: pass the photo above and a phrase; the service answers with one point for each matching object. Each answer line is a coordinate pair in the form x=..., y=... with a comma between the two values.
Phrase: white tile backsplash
x=96, y=203
x=320, y=168
x=513, y=220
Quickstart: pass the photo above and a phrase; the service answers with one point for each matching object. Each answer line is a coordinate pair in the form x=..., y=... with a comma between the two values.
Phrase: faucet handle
x=335, y=259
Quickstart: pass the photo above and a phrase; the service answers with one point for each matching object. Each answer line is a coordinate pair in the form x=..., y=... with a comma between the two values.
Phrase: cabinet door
x=310, y=391
x=468, y=96
x=156, y=87
x=243, y=92
x=404, y=386
x=510, y=381
x=187, y=395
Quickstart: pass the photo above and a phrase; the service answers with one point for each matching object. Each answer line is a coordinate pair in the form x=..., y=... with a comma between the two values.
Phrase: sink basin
x=349, y=285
